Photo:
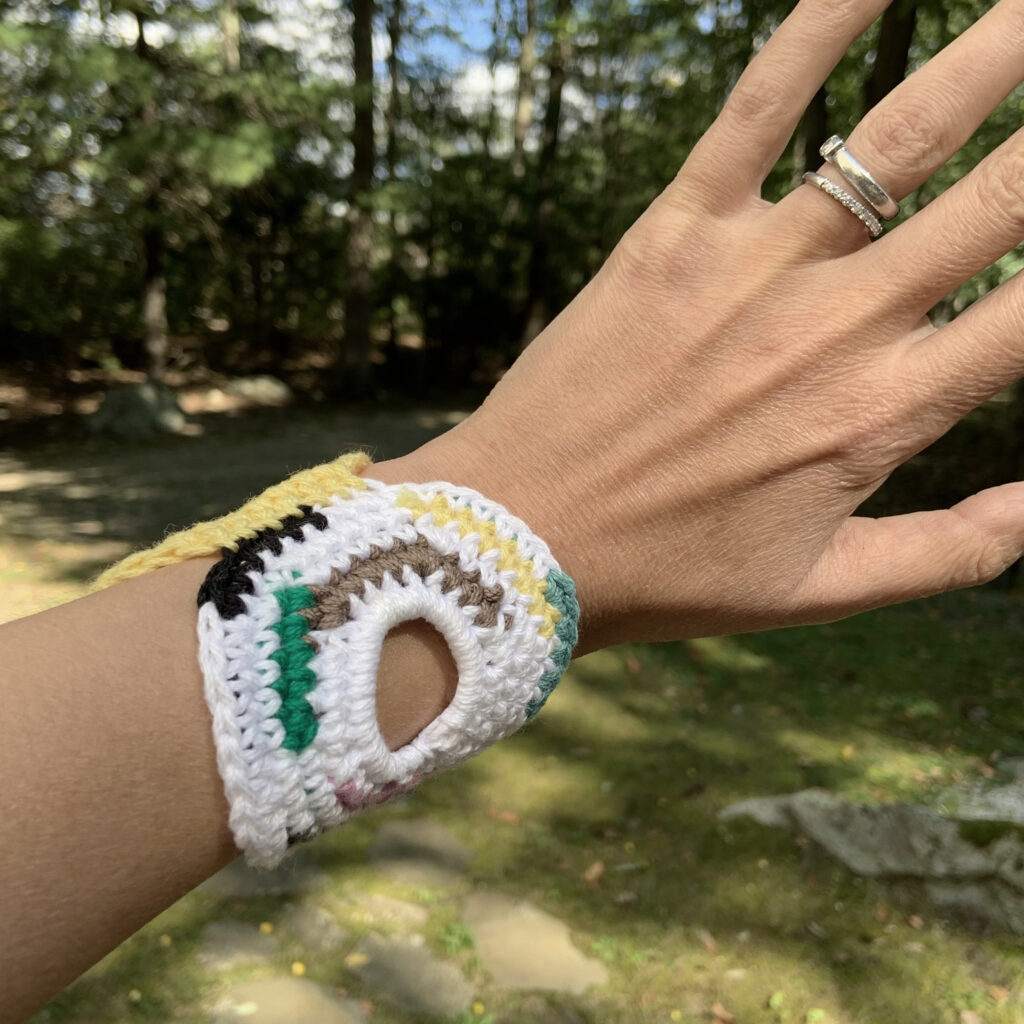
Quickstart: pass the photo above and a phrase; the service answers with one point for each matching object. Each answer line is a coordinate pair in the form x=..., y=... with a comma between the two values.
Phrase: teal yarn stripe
x=561, y=593
x=297, y=678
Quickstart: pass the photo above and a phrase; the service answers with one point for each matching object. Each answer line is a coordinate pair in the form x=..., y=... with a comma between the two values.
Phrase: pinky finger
x=875, y=562
x=973, y=358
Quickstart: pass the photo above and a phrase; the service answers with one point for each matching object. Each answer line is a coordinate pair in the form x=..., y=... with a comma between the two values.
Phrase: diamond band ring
x=854, y=205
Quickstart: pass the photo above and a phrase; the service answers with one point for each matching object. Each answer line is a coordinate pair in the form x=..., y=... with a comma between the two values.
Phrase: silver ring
x=836, y=153
x=854, y=205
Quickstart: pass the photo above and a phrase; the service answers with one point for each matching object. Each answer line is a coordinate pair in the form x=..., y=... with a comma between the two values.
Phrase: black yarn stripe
x=229, y=578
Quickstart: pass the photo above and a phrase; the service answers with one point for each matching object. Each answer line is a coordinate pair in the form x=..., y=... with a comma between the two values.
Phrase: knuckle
x=1005, y=187
x=914, y=132
x=991, y=559
x=759, y=98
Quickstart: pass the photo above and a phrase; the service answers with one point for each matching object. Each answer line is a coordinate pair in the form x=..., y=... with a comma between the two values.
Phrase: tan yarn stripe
x=332, y=608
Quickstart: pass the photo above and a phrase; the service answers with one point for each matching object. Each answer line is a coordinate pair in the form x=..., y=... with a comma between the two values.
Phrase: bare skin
x=691, y=436
x=112, y=805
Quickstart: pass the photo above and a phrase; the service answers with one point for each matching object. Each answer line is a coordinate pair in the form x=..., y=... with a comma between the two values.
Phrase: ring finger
x=923, y=122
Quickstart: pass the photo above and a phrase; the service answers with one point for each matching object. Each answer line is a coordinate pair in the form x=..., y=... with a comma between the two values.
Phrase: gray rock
x=238, y=881
x=375, y=908
x=263, y=389
x=419, y=852
x=973, y=865
x=524, y=947
x=137, y=410
x=285, y=1001
x=1000, y=799
x=226, y=944
x=404, y=972
x=314, y=927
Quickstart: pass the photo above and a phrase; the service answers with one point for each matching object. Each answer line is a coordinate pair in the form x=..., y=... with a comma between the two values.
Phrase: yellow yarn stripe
x=306, y=487
x=526, y=579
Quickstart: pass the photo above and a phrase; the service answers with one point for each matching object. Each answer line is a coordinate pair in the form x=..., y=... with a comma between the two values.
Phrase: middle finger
x=924, y=121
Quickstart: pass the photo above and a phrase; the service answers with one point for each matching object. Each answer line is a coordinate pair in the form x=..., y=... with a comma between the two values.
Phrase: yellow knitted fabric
x=306, y=487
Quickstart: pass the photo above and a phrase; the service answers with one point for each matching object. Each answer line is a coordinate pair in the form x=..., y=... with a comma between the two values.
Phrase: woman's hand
x=693, y=434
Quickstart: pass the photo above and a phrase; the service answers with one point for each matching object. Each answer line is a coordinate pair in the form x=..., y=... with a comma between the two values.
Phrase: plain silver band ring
x=836, y=153
x=854, y=205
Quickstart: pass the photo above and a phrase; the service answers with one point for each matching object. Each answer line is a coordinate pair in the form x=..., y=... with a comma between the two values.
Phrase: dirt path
x=68, y=509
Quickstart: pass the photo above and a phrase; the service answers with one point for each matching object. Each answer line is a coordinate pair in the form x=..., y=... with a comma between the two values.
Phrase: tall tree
x=154, y=245
x=893, y=51
x=539, y=298
x=522, y=118
x=357, y=367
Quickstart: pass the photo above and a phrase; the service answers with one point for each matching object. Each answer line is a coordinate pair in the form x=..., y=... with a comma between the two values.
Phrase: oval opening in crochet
x=416, y=680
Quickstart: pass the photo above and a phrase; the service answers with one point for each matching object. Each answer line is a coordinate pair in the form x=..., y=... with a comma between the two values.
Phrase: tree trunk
x=893, y=51
x=523, y=116
x=356, y=369
x=230, y=37
x=810, y=135
x=539, y=299
x=154, y=279
x=394, y=38
x=494, y=55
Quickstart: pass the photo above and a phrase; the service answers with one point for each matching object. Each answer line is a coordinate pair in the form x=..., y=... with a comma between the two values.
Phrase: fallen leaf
x=165, y=941
x=848, y=751
x=882, y=914
x=915, y=921
x=266, y=928
x=722, y=1015
x=509, y=817
x=356, y=959
x=707, y=940
x=593, y=874
x=135, y=995
x=970, y=1017
x=999, y=994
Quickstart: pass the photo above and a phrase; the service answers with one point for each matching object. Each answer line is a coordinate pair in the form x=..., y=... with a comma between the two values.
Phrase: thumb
x=874, y=562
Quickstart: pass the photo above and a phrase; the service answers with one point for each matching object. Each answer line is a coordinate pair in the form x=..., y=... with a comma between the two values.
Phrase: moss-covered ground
x=627, y=766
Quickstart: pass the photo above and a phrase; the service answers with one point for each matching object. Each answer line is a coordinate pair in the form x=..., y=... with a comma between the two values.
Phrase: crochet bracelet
x=291, y=623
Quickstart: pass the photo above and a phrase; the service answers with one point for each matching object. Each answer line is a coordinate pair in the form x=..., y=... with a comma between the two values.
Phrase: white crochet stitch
x=290, y=644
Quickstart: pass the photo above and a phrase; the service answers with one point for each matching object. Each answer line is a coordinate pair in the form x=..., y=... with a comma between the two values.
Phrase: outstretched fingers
x=735, y=155
x=876, y=562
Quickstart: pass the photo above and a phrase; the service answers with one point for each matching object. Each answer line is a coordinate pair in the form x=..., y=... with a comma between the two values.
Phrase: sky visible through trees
x=222, y=185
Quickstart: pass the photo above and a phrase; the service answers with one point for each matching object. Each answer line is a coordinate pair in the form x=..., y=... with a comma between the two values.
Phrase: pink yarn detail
x=353, y=797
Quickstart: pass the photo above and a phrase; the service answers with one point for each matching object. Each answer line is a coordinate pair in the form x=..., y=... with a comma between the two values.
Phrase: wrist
x=531, y=497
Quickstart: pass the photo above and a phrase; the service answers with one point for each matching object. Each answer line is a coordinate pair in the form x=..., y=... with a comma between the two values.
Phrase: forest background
x=372, y=199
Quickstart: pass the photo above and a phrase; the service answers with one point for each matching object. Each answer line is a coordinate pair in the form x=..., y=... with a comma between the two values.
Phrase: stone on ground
x=524, y=947
x=404, y=972
x=972, y=865
x=375, y=908
x=228, y=944
x=419, y=852
x=314, y=927
x=285, y=1001
x=238, y=881
x=138, y=410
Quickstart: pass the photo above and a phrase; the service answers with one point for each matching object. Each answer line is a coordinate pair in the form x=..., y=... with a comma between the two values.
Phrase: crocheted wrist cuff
x=291, y=624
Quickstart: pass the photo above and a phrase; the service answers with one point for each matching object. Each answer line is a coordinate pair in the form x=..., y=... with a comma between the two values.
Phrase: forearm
x=112, y=804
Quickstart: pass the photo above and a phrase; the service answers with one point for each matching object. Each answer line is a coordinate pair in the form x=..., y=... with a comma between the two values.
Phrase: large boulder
x=134, y=411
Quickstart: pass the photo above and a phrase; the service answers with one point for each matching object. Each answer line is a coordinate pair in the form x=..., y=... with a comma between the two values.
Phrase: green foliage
x=241, y=171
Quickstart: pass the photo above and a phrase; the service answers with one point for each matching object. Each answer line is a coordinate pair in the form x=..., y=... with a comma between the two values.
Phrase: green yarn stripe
x=561, y=594
x=297, y=678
